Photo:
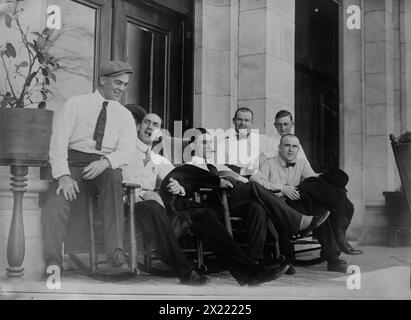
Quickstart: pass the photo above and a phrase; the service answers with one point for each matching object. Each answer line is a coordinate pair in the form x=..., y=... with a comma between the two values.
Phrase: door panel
x=317, y=81
x=317, y=121
x=152, y=40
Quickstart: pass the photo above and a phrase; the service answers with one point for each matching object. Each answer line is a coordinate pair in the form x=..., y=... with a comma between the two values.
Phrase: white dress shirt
x=242, y=152
x=136, y=172
x=274, y=174
x=74, y=128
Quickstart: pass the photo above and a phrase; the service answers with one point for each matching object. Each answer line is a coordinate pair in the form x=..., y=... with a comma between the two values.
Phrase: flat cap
x=114, y=68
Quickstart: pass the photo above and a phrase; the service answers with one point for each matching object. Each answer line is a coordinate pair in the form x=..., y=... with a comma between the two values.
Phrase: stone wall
x=244, y=55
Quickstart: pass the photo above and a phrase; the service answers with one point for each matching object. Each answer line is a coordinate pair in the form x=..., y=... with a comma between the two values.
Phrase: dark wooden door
x=316, y=81
x=156, y=41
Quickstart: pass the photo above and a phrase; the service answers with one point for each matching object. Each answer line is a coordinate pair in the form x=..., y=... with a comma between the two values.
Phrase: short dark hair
x=282, y=114
x=197, y=132
x=137, y=111
x=287, y=135
x=243, y=109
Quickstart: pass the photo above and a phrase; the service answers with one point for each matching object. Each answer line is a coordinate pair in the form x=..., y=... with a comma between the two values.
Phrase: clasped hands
x=291, y=192
x=69, y=186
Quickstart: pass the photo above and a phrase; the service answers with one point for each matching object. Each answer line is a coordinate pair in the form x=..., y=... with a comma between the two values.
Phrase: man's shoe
x=337, y=265
x=346, y=247
x=315, y=222
x=194, y=279
x=268, y=274
x=117, y=259
x=284, y=262
x=290, y=271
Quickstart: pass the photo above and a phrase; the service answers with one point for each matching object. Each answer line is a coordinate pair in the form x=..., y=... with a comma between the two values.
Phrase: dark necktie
x=100, y=126
x=289, y=164
x=212, y=168
x=148, y=157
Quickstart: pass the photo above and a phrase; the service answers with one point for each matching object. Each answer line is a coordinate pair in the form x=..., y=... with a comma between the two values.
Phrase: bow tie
x=290, y=164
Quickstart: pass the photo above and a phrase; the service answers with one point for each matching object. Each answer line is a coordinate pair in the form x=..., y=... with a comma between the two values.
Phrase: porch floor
x=385, y=274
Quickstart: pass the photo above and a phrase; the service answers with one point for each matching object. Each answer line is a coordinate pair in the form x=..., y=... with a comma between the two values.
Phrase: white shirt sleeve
x=63, y=127
x=127, y=143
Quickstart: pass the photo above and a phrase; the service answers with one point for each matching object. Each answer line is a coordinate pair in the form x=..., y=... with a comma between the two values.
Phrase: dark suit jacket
x=315, y=192
x=179, y=208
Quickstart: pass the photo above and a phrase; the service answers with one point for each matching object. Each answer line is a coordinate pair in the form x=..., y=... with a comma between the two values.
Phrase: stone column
x=405, y=66
x=379, y=113
x=266, y=59
x=215, y=62
x=352, y=127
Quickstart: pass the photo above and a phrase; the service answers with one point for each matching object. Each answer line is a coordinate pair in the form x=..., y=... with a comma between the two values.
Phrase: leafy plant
x=28, y=79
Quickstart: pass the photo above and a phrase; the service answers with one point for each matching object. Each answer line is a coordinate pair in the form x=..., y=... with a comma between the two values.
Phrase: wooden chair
x=92, y=270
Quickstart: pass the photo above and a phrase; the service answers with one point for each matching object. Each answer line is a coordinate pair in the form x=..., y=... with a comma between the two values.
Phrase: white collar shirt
x=74, y=126
x=146, y=175
x=274, y=174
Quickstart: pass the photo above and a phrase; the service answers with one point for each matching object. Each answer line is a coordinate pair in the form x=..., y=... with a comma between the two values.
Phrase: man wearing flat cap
x=93, y=136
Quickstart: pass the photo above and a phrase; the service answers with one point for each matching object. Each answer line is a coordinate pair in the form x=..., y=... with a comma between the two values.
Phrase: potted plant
x=28, y=69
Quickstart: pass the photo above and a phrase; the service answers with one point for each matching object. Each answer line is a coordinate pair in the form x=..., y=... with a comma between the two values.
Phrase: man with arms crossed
x=341, y=218
x=286, y=172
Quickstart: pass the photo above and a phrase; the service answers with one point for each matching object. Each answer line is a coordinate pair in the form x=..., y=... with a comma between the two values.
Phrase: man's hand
x=225, y=184
x=95, y=168
x=174, y=187
x=291, y=192
x=69, y=187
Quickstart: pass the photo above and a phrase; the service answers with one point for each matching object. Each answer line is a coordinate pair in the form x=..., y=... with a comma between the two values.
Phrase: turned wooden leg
x=15, y=243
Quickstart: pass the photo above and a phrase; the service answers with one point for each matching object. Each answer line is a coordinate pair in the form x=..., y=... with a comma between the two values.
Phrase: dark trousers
x=325, y=236
x=256, y=221
x=282, y=215
x=342, y=216
x=205, y=225
x=56, y=212
x=153, y=220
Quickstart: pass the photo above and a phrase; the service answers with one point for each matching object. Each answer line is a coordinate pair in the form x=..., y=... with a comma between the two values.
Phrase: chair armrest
x=276, y=190
x=132, y=185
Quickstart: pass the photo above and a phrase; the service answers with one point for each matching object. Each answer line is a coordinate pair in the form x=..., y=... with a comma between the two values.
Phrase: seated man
x=242, y=146
x=243, y=193
x=163, y=228
x=341, y=218
x=286, y=172
x=93, y=135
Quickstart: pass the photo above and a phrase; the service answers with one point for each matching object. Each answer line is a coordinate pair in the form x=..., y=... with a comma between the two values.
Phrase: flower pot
x=399, y=219
x=25, y=136
x=396, y=209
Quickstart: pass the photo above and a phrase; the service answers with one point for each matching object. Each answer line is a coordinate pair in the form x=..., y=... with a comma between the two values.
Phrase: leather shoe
x=284, y=262
x=315, y=222
x=117, y=259
x=267, y=274
x=337, y=265
x=194, y=279
x=346, y=247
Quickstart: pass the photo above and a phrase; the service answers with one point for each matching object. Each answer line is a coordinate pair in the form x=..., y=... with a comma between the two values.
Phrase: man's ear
x=102, y=80
x=138, y=126
x=234, y=121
